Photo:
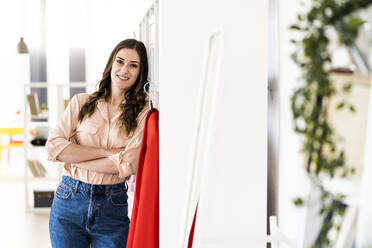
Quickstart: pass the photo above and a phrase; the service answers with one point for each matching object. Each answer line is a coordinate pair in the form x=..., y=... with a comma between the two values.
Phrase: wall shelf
x=53, y=170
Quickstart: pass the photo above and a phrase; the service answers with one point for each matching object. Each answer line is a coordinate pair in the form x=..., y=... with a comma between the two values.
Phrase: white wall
x=11, y=66
x=109, y=22
x=94, y=25
x=236, y=206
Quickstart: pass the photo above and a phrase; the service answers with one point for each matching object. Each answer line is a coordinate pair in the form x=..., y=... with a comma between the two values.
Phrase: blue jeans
x=88, y=215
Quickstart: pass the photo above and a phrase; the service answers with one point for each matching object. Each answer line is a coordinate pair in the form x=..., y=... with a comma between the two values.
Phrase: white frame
x=198, y=162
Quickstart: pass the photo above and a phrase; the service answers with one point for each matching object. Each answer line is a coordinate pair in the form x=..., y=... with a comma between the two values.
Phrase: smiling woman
x=99, y=139
x=135, y=97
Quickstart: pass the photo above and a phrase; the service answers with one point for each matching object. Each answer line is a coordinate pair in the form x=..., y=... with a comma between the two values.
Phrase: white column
x=57, y=50
x=292, y=177
x=364, y=238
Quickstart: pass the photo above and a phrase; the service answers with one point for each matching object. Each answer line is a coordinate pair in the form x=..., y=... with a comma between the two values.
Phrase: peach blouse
x=96, y=131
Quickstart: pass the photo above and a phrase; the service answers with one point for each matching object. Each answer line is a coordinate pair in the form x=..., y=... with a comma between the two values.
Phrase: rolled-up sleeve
x=127, y=160
x=60, y=136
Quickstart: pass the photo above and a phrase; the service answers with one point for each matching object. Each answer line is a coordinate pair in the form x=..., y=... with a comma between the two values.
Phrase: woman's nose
x=124, y=69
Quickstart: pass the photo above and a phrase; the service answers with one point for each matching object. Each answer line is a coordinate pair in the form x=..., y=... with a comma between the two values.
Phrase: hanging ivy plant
x=310, y=102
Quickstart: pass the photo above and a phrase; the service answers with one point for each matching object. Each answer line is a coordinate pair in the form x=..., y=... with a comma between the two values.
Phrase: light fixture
x=21, y=46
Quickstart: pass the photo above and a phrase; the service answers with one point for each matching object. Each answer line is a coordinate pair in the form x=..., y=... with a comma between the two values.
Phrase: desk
x=11, y=131
x=12, y=143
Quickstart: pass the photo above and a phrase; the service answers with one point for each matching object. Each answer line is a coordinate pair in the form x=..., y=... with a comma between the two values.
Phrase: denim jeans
x=87, y=215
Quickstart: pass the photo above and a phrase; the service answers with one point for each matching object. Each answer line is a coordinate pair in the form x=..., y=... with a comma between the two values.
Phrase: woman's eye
x=134, y=65
x=119, y=61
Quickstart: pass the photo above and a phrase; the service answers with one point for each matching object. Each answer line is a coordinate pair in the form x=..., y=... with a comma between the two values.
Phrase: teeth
x=126, y=78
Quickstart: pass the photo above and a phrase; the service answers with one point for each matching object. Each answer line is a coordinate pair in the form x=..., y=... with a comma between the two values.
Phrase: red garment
x=191, y=236
x=144, y=226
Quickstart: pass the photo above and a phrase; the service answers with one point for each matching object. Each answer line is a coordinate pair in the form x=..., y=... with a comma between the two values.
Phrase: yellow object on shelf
x=12, y=143
x=11, y=131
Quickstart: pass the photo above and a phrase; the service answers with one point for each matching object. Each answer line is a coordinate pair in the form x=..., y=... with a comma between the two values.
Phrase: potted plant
x=310, y=101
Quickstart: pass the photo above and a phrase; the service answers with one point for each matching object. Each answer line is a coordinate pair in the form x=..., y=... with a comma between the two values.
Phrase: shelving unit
x=54, y=170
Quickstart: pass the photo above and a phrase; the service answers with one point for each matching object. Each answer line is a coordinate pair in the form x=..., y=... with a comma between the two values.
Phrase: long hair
x=135, y=97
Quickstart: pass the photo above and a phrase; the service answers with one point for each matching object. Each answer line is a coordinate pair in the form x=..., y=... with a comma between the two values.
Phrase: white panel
x=364, y=238
x=234, y=192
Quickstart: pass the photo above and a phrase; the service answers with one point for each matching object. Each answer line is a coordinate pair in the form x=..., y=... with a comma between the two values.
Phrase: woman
x=98, y=138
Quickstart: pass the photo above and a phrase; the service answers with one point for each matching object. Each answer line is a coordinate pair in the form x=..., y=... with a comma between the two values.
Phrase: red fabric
x=144, y=226
x=191, y=236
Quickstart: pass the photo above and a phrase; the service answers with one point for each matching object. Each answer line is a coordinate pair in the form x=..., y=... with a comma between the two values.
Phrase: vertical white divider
x=57, y=50
x=155, y=96
x=202, y=131
x=364, y=238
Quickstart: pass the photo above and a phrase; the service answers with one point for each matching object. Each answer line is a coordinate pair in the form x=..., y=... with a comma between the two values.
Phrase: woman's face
x=125, y=69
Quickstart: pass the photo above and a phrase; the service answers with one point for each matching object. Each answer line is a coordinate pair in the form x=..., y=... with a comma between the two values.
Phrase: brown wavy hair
x=135, y=97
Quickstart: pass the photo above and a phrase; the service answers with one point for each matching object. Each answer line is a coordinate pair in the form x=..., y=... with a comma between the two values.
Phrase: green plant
x=44, y=107
x=310, y=102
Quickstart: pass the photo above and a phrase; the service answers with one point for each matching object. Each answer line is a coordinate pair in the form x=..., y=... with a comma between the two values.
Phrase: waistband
x=77, y=185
